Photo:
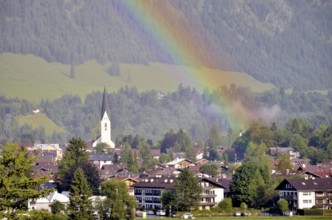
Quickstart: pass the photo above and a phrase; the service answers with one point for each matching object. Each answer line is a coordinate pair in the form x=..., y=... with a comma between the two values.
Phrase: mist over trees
x=197, y=114
x=286, y=43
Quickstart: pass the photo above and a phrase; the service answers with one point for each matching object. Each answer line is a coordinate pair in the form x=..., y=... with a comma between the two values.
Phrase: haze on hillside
x=286, y=43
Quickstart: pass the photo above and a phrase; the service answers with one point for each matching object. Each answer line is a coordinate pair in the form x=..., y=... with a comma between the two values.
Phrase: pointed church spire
x=104, y=105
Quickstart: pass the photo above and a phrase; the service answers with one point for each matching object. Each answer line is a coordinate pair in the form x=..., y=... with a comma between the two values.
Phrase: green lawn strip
x=254, y=217
x=34, y=79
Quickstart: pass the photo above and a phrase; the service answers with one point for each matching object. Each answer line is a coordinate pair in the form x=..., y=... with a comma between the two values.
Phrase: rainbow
x=183, y=44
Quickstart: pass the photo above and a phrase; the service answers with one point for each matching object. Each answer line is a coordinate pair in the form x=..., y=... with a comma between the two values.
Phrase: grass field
x=257, y=217
x=32, y=78
x=40, y=120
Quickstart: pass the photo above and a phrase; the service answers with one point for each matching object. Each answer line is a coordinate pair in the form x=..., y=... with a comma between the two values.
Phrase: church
x=105, y=124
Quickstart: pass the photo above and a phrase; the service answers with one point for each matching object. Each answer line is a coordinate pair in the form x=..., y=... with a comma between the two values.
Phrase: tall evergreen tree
x=80, y=206
x=17, y=185
x=75, y=154
x=187, y=190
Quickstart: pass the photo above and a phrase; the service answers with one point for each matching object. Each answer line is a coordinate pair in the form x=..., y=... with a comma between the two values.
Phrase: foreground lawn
x=254, y=217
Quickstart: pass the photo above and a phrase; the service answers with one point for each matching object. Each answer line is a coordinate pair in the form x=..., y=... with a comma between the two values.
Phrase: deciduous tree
x=119, y=204
x=226, y=204
x=282, y=205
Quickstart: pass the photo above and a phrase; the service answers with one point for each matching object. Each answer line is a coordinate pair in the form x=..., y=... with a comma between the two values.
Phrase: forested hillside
x=150, y=115
x=287, y=43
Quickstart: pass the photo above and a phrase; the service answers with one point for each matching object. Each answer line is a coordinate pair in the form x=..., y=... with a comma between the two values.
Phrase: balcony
x=207, y=203
x=320, y=194
x=153, y=194
x=207, y=195
x=150, y=202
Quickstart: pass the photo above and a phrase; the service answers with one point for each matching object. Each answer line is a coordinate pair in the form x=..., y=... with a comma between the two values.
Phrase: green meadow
x=34, y=79
x=40, y=120
x=258, y=217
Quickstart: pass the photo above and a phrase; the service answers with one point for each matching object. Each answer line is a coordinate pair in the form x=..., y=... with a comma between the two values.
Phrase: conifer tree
x=17, y=185
x=75, y=154
x=187, y=190
x=80, y=206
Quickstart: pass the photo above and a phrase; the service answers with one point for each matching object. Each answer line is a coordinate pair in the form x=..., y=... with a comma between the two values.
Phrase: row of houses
x=148, y=187
x=301, y=193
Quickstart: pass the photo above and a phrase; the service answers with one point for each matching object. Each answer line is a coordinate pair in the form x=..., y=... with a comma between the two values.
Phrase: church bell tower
x=105, y=124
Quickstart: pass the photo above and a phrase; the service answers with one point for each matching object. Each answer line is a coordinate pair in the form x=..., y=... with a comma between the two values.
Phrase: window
x=307, y=193
x=307, y=201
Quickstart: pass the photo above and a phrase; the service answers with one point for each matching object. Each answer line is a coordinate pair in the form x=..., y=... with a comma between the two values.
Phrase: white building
x=306, y=193
x=148, y=191
x=105, y=125
x=212, y=193
x=46, y=202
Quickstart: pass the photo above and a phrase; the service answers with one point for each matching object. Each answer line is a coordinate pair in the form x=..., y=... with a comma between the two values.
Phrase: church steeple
x=104, y=105
x=105, y=124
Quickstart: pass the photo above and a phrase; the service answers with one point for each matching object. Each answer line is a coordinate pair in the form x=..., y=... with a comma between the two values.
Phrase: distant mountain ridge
x=287, y=43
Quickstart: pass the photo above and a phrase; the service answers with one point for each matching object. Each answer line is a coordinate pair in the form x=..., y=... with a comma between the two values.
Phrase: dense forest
x=287, y=43
x=148, y=115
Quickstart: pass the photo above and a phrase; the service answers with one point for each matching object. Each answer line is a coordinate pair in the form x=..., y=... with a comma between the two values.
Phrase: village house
x=278, y=151
x=148, y=191
x=101, y=159
x=180, y=163
x=316, y=171
x=155, y=153
x=212, y=193
x=45, y=202
x=109, y=171
x=199, y=153
x=306, y=193
x=129, y=181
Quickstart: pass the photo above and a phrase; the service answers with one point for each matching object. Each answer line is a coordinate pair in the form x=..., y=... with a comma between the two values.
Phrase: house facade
x=100, y=160
x=148, y=191
x=306, y=193
x=180, y=163
x=212, y=193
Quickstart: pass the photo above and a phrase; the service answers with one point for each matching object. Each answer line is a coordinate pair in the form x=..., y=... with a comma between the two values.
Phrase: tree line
x=274, y=42
x=143, y=114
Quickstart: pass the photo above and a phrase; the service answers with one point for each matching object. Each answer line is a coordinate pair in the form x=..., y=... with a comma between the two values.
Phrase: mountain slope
x=287, y=43
x=34, y=79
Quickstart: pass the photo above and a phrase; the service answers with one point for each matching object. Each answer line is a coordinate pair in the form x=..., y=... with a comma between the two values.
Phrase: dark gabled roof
x=307, y=184
x=213, y=181
x=160, y=183
x=104, y=105
x=100, y=157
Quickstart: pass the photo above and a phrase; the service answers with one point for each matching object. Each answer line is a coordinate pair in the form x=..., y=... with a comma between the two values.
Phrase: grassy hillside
x=33, y=78
x=40, y=120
